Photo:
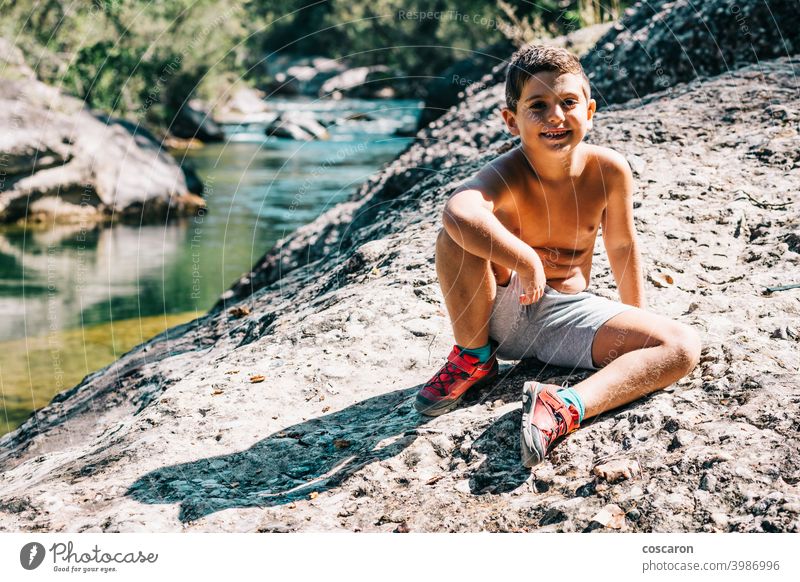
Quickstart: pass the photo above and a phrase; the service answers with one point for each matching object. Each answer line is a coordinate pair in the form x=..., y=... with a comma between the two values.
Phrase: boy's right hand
x=533, y=282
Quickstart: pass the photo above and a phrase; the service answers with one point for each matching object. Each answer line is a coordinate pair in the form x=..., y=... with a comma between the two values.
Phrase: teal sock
x=569, y=396
x=482, y=353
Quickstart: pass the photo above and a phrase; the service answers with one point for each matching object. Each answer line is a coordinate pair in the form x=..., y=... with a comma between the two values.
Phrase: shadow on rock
x=288, y=465
x=502, y=471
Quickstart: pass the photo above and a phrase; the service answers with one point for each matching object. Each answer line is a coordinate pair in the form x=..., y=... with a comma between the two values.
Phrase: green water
x=74, y=300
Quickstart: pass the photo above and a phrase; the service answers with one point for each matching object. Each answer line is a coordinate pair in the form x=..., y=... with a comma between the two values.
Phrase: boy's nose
x=556, y=114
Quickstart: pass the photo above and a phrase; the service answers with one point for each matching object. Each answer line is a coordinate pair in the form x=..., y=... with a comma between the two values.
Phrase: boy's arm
x=619, y=234
x=470, y=221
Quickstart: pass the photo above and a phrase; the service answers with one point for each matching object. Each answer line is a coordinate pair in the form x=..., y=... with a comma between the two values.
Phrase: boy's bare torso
x=558, y=219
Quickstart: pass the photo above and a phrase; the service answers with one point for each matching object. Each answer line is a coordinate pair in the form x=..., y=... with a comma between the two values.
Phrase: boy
x=514, y=258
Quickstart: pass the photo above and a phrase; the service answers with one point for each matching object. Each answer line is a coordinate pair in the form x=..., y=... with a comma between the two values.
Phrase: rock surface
x=663, y=42
x=376, y=81
x=194, y=122
x=60, y=162
x=299, y=125
x=301, y=76
x=345, y=321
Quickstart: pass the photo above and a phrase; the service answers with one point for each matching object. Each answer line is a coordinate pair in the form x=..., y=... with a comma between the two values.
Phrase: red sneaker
x=545, y=418
x=461, y=372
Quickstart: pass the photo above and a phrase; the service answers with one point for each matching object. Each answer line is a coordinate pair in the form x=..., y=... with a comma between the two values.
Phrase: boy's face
x=553, y=113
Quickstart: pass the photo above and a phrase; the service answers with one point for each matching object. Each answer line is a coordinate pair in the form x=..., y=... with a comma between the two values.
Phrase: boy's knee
x=447, y=248
x=685, y=345
x=445, y=243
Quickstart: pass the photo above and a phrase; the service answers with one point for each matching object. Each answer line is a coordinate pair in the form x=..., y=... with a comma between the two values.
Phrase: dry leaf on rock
x=313, y=495
x=216, y=392
x=257, y=378
x=662, y=279
x=611, y=516
x=239, y=311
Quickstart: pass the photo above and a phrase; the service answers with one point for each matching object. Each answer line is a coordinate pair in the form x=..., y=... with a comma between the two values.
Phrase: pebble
x=719, y=519
x=708, y=482
x=618, y=470
x=463, y=486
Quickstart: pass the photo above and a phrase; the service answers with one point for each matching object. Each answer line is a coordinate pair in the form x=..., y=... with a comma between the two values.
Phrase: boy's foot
x=545, y=418
x=461, y=372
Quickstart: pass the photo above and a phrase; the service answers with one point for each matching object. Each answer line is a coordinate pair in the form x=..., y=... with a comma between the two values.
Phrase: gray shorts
x=558, y=329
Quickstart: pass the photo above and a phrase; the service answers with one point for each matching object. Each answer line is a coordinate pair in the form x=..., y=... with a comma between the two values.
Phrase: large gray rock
x=301, y=75
x=660, y=43
x=193, y=122
x=298, y=125
x=366, y=82
x=59, y=161
x=345, y=320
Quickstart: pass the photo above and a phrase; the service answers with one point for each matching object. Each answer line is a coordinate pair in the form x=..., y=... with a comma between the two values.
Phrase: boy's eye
x=570, y=102
x=537, y=105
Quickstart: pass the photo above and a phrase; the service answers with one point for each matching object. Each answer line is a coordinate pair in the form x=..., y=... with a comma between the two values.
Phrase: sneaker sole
x=530, y=438
x=444, y=406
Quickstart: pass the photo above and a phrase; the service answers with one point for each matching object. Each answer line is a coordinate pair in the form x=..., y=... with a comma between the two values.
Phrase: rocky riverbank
x=289, y=406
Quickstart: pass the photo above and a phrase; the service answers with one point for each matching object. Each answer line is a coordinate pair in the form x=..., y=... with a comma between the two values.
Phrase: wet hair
x=532, y=59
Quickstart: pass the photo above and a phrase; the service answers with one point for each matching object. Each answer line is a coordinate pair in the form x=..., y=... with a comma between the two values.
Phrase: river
x=75, y=300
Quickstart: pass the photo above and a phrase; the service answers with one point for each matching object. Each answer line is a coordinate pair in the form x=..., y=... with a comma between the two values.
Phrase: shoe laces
x=450, y=372
x=445, y=376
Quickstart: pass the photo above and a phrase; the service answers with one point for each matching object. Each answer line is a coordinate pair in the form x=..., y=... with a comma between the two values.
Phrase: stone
x=65, y=164
x=618, y=470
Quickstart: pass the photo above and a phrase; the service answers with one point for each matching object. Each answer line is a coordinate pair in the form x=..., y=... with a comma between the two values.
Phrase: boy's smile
x=554, y=112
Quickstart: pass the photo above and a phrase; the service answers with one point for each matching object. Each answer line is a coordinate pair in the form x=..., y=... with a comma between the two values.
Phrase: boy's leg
x=469, y=289
x=637, y=352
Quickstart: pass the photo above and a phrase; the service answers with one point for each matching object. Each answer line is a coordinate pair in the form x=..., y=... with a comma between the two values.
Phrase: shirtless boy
x=514, y=259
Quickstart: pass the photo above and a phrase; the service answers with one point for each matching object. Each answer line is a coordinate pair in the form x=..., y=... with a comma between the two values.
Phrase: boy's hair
x=533, y=59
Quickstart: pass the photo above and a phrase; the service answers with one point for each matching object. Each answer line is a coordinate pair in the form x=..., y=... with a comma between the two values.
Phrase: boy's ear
x=590, y=109
x=511, y=120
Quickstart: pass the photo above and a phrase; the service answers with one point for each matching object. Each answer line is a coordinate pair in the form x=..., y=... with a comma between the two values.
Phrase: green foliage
x=138, y=58
x=143, y=58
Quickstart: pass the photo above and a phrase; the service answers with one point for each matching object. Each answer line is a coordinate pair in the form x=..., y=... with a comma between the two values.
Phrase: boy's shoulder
x=608, y=161
x=498, y=175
